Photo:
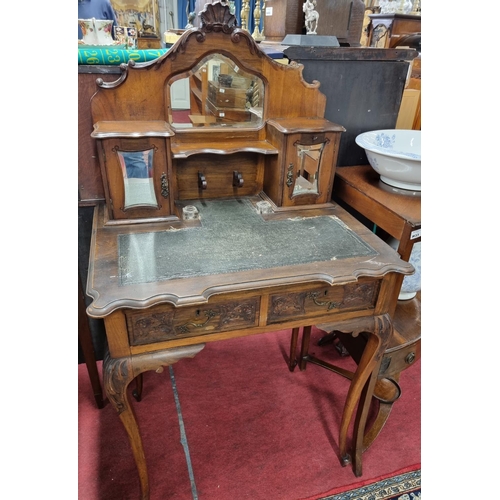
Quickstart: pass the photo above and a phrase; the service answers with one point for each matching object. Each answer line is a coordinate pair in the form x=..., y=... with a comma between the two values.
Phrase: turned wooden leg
x=363, y=383
x=292, y=362
x=137, y=392
x=306, y=337
x=117, y=375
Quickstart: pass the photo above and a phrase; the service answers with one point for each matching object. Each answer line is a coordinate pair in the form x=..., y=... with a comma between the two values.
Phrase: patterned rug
x=404, y=486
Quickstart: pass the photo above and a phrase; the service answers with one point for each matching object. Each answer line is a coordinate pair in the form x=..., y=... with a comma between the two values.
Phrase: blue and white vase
x=411, y=284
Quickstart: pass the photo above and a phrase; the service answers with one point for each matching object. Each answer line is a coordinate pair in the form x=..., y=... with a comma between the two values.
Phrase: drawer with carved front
x=322, y=300
x=166, y=322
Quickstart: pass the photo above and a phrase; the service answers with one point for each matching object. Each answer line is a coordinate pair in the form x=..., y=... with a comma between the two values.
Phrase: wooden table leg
x=292, y=362
x=363, y=383
x=85, y=339
x=364, y=404
x=117, y=374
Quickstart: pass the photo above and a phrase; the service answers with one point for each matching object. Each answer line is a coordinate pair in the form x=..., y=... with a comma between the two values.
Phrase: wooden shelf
x=184, y=150
x=131, y=129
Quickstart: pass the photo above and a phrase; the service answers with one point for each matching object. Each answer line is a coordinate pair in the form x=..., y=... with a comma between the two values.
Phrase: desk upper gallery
x=224, y=226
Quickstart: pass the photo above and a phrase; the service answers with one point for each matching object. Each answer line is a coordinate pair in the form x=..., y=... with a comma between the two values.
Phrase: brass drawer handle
x=185, y=327
x=164, y=185
x=314, y=296
x=289, y=175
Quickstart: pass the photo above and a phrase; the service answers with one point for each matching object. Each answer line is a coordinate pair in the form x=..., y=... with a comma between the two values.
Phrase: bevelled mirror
x=137, y=171
x=309, y=160
x=215, y=93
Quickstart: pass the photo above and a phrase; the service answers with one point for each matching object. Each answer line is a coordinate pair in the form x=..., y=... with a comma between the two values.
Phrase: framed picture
x=144, y=15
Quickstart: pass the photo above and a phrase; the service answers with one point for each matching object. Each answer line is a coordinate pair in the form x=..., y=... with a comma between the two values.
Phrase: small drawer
x=321, y=301
x=166, y=322
x=310, y=139
x=397, y=360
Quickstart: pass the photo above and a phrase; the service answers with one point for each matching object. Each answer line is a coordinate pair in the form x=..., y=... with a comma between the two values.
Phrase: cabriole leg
x=117, y=375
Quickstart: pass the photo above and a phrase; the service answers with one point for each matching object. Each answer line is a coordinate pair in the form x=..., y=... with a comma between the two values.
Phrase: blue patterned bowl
x=395, y=155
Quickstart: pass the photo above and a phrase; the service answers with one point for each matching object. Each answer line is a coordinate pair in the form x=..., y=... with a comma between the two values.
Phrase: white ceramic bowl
x=395, y=155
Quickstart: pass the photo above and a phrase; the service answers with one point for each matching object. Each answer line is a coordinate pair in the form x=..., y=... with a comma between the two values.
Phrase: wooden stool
x=402, y=352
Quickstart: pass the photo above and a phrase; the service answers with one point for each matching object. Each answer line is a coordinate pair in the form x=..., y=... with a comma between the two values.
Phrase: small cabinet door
x=138, y=178
x=310, y=167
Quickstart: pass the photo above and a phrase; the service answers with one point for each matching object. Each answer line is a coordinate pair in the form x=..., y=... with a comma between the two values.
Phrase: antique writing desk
x=227, y=229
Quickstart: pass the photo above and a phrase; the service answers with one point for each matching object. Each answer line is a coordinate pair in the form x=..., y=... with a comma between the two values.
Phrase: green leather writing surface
x=234, y=237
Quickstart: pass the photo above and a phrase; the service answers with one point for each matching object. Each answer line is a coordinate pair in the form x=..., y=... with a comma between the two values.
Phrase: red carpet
x=254, y=429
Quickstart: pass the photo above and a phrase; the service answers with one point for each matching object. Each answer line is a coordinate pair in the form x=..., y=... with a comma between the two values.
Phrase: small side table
x=397, y=212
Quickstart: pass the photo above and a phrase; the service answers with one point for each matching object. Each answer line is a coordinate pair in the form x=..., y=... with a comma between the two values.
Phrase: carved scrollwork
x=119, y=372
x=245, y=312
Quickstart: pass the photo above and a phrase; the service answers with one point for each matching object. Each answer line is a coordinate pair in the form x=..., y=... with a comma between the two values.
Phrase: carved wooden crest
x=217, y=17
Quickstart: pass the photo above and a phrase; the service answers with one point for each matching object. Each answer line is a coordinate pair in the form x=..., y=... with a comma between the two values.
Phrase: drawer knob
x=237, y=179
x=410, y=358
x=202, y=181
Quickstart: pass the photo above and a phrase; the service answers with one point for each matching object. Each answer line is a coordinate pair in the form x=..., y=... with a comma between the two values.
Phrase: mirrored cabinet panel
x=137, y=171
x=307, y=174
x=217, y=92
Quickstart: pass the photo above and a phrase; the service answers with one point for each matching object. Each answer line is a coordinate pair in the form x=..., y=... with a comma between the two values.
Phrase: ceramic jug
x=96, y=31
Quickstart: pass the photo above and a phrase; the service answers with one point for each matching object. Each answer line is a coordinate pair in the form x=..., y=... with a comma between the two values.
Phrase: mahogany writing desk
x=156, y=315
x=226, y=230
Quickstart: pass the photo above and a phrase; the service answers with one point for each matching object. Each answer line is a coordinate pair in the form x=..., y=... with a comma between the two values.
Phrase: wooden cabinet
x=385, y=30
x=302, y=175
x=148, y=43
x=136, y=169
x=340, y=18
x=281, y=18
x=228, y=104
